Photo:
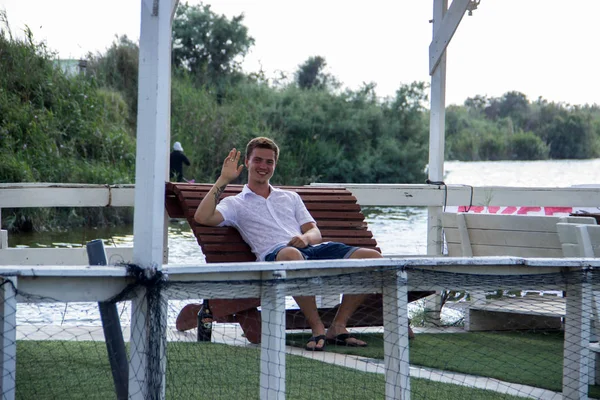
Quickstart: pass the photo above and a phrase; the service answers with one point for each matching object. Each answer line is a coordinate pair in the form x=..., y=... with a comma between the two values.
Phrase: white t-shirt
x=265, y=223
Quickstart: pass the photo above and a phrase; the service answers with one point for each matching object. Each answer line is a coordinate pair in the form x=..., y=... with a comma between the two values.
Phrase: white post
x=445, y=23
x=395, y=337
x=437, y=117
x=153, y=124
x=576, y=342
x=437, y=127
x=272, y=352
x=8, y=336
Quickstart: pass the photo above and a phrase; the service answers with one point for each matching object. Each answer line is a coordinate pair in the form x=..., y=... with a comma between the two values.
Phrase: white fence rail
x=100, y=283
x=390, y=276
x=38, y=195
x=18, y=195
x=369, y=194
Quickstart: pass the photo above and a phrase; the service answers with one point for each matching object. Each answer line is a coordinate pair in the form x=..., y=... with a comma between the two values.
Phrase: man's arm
x=207, y=214
x=310, y=235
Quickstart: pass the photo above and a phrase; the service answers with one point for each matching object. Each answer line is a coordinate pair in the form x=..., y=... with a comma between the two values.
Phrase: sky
x=542, y=48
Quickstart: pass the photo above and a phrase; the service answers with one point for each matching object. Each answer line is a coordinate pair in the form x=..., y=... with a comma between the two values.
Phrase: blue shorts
x=321, y=251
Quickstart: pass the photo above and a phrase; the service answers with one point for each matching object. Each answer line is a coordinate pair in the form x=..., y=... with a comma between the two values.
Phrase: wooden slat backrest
x=504, y=235
x=338, y=217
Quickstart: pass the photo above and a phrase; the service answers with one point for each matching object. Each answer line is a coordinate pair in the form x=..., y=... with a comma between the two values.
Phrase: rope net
x=496, y=337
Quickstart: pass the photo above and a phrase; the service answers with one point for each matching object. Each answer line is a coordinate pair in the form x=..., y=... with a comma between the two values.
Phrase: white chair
x=582, y=240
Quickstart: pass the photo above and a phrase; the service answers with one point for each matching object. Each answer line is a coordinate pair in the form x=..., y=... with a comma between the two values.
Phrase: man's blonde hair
x=262, y=143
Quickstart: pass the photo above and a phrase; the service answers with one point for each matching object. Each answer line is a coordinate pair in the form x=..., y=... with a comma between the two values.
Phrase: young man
x=278, y=227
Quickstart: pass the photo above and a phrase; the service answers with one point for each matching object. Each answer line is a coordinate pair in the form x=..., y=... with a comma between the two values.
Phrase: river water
x=398, y=230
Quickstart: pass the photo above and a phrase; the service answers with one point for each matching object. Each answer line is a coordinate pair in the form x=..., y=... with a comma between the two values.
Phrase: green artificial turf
x=80, y=370
x=529, y=358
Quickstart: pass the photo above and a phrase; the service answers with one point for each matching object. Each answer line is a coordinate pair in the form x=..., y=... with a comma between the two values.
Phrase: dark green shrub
x=527, y=146
x=56, y=128
x=492, y=148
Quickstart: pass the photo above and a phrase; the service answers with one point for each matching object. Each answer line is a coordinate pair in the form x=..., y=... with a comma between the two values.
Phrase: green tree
x=403, y=146
x=571, y=136
x=492, y=148
x=476, y=105
x=118, y=69
x=457, y=119
x=208, y=45
x=492, y=109
x=58, y=128
x=208, y=130
x=527, y=146
x=514, y=105
x=311, y=74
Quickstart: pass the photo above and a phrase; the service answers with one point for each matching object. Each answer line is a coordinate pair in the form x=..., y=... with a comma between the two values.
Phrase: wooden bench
x=469, y=235
x=338, y=217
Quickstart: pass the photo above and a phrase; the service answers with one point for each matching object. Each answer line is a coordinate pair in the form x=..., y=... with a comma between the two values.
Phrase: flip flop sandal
x=316, y=340
x=341, y=340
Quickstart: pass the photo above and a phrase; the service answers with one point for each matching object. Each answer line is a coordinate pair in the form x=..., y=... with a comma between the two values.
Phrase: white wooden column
x=272, y=348
x=8, y=337
x=437, y=128
x=576, y=342
x=395, y=337
x=445, y=23
x=153, y=125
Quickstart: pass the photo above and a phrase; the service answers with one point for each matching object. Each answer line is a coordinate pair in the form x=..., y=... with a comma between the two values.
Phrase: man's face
x=261, y=165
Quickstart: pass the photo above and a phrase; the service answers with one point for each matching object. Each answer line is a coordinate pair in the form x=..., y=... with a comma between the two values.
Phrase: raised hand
x=231, y=170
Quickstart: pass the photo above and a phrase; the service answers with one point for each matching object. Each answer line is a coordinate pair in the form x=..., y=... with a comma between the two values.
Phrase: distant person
x=176, y=161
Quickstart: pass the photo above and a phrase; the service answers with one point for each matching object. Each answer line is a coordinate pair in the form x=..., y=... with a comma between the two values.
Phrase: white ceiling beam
x=444, y=33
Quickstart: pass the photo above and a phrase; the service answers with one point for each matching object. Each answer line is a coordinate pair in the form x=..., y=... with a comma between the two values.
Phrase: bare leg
x=307, y=304
x=349, y=304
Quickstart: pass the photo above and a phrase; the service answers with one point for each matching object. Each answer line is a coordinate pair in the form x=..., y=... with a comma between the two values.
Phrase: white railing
x=101, y=283
x=36, y=195
x=391, y=276
x=369, y=194
x=18, y=195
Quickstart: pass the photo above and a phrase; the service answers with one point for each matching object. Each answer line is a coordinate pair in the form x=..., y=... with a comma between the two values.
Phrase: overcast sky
x=544, y=48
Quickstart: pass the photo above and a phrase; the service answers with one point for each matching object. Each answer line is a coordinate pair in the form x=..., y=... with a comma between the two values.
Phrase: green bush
x=56, y=128
x=572, y=136
x=527, y=146
x=492, y=148
x=494, y=124
x=61, y=126
x=117, y=69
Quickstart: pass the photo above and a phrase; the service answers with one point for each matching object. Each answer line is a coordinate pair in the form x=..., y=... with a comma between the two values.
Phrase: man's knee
x=289, y=254
x=365, y=253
